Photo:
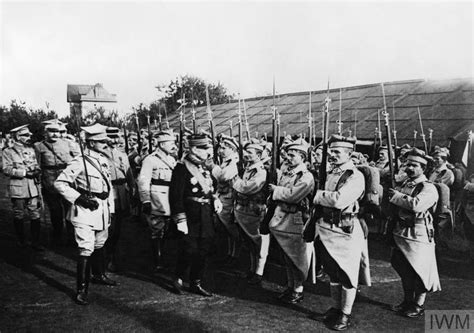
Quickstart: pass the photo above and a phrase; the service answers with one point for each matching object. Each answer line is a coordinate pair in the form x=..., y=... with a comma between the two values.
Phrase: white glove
x=217, y=206
x=183, y=227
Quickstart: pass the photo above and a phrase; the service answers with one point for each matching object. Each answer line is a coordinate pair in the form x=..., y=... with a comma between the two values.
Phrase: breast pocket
x=165, y=174
x=95, y=183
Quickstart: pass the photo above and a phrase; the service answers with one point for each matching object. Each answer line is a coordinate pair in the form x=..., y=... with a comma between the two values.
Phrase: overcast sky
x=131, y=47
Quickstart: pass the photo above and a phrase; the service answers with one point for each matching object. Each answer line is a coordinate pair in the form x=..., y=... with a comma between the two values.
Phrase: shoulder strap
x=91, y=162
x=344, y=177
x=47, y=145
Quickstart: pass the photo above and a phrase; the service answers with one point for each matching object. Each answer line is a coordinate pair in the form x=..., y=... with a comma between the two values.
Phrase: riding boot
x=20, y=234
x=82, y=276
x=35, y=226
x=156, y=245
x=98, y=269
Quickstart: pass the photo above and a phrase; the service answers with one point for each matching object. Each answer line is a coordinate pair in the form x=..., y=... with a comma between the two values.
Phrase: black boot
x=98, y=269
x=35, y=226
x=156, y=246
x=83, y=277
x=20, y=234
x=198, y=289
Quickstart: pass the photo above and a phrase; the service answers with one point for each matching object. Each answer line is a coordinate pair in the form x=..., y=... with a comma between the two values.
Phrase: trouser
x=158, y=225
x=193, y=252
x=331, y=267
x=317, y=253
x=88, y=239
x=411, y=282
x=57, y=211
x=115, y=229
x=33, y=208
x=295, y=277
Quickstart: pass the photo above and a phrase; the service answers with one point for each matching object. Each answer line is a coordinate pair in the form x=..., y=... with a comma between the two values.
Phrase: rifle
x=394, y=131
x=415, y=132
x=150, y=135
x=278, y=139
x=247, y=129
x=430, y=136
x=139, y=136
x=309, y=231
x=211, y=125
x=272, y=175
x=231, y=132
x=125, y=137
x=339, y=122
x=310, y=132
x=241, y=150
x=181, y=127
x=193, y=111
x=423, y=138
x=389, y=140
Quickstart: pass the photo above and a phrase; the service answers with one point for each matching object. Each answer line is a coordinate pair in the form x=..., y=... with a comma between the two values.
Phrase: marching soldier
x=224, y=173
x=122, y=185
x=295, y=186
x=413, y=256
x=192, y=204
x=20, y=165
x=250, y=207
x=341, y=237
x=441, y=173
x=53, y=155
x=153, y=188
x=92, y=205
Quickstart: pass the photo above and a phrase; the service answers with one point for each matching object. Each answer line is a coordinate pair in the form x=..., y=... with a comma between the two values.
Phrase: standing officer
x=122, y=185
x=295, y=185
x=92, y=205
x=224, y=173
x=250, y=208
x=341, y=238
x=53, y=155
x=192, y=204
x=441, y=173
x=153, y=188
x=413, y=256
x=20, y=165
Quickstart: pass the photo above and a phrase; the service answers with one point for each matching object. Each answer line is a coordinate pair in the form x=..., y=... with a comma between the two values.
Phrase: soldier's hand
x=391, y=192
x=147, y=208
x=271, y=188
x=218, y=206
x=183, y=227
x=86, y=202
x=33, y=174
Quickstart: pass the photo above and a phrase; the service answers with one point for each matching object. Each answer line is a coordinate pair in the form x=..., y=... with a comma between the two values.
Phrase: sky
x=131, y=47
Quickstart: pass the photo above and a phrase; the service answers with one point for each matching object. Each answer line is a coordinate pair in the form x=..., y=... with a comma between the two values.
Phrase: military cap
x=96, y=132
x=199, y=140
x=405, y=146
x=383, y=148
x=164, y=136
x=441, y=151
x=229, y=141
x=253, y=144
x=113, y=132
x=52, y=125
x=21, y=130
x=418, y=155
x=339, y=141
x=300, y=145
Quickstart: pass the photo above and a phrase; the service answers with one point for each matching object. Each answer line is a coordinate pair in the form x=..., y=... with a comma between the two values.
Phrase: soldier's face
x=294, y=158
x=339, y=155
x=438, y=160
x=318, y=156
x=250, y=155
x=414, y=169
x=52, y=135
x=24, y=138
x=383, y=155
x=169, y=147
x=224, y=151
x=99, y=146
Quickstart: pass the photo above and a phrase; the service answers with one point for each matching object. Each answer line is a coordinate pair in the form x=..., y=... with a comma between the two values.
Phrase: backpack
x=442, y=213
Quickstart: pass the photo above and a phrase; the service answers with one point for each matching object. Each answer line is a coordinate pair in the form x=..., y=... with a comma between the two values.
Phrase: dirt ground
x=37, y=290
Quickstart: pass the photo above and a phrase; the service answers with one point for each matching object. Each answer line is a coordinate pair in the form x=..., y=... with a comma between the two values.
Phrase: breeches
x=87, y=239
x=31, y=205
x=158, y=225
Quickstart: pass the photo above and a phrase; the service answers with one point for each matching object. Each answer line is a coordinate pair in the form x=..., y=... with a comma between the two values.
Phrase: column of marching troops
x=90, y=189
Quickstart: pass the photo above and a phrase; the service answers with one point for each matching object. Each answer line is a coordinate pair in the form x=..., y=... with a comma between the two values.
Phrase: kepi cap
x=339, y=141
x=96, y=132
x=20, y=130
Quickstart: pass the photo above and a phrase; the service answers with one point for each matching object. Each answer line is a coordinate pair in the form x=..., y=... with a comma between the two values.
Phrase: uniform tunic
x=121, y=178
x=153, y=186
x=442, y=175
x=24, y=192
x=250, y=201
x=416, y=242
x=90, y=227
x=224, y=174
x=348, y=250
x=286, y=225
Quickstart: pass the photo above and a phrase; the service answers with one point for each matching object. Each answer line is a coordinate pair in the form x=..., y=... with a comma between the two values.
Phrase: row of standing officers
x=92, y=190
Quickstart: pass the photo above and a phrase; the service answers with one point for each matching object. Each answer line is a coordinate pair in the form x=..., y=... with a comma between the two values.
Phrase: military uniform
x=249, y=211
x=341, y=237
x=153, y=188
x=23, y=188
x=467, y=214
x=53, y=157
x=224, y=173
x=413, y=256
x=191, y=201
x=122, y=184
x=295, y=185
x=91, y=209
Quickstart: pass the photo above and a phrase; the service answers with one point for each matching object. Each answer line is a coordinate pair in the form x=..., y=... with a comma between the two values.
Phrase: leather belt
x=160, y=182
x=101, y=196
x=54, y=167
x=120, y=181
x=200, y=200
